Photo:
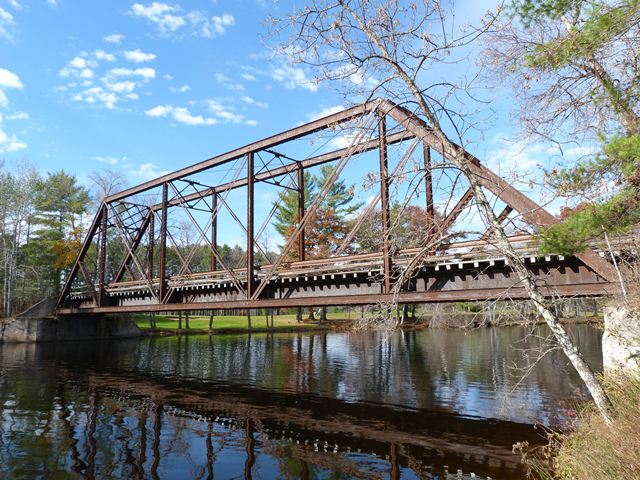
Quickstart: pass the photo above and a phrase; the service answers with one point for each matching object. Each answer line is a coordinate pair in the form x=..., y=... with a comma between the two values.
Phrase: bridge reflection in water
x=277, y=406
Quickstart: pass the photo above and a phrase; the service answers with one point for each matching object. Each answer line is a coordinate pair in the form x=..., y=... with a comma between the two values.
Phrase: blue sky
x=149, y=87
x=145, y=86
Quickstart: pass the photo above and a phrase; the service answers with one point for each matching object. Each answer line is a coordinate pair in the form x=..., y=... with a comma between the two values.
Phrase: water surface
x=330, y=405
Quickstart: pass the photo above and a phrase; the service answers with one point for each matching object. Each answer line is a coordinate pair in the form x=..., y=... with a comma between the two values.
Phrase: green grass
x=233, y=322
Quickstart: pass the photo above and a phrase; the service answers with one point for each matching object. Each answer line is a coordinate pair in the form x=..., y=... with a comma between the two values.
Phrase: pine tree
x=60, y=204
x=329, y=225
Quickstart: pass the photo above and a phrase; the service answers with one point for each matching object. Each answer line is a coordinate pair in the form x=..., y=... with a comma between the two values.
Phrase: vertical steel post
x=428, y=185
x=301, y=213
x=250, y=206
x=151, y=245
x=214, y=231
x=102, y=261
x=384, y=197
x=162, y=261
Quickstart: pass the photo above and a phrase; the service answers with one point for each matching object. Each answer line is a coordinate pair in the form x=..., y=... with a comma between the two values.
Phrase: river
x=312, y=405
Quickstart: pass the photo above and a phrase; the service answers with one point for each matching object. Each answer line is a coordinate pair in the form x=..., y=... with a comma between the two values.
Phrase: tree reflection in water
x=340, y=405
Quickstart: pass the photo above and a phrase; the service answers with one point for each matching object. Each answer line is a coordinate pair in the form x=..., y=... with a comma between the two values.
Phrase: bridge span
x=135, y=257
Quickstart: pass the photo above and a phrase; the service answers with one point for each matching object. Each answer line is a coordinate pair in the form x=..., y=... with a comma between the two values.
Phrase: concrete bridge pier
x=38, y=324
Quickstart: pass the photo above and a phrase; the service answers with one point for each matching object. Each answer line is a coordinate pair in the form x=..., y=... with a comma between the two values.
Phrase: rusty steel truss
x=136, y=224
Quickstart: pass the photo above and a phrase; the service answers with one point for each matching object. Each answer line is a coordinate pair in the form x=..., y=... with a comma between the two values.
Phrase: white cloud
x=248, y=76
x=118, y=84
x=183, y=115
x=221, y=78
x=79, y=67
x=104, y=56
x=169, y=19
x=159, y=111
x=52, y=3
x=18, y=116
x=325, y=112
x=251, y=123
x=514, y=157
x=344, y=140
x=120, y=87
x=293, y=77
x=182, y=89
x=6, y=20
x=160, y=14
x=9, y=79
x=15, y=4
x=180, y=114
x=578, y=151
x=86, y=73
x=138, y=56
x=147, y=171
x=251, y=101
x=97, y=95
x=223, y=112
x=114, y=38
x=356, y=76
x=228, y=83
x=220, y=23
x=78, y=62
x=9, y=143
x=145, y=72
x=111, y=160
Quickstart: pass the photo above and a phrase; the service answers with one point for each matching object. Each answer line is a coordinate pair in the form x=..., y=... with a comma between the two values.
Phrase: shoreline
x=344, y=324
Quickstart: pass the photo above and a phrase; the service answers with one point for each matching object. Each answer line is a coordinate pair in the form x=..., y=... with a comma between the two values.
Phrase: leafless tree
x=106, y=182
x=400, y=49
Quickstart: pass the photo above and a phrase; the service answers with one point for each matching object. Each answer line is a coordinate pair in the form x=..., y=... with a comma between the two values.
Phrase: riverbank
x=238, y=324
x=593, y=450
x=235, y=324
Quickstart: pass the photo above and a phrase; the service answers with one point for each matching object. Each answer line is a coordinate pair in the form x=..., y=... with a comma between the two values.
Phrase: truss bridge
x=155, y=246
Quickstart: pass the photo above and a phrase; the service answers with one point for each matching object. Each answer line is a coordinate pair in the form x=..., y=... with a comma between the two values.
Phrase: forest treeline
x=43, y=220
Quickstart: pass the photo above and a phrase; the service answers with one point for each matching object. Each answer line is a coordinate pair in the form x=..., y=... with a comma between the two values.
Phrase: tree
x=409, y=226
x=574, y=67
x=391, y=47
x=60, y=204
x=106, y=182
x=17, y=195
x=286, y=214
x=329, y=225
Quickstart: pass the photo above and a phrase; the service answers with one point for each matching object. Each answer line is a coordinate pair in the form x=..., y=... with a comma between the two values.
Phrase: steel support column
x=428, y=185
x=151, y=245
x=162, y=261
x=214, y=231
x=102, y=261
x=384, y=200
x=301, y=239
x=250, y=207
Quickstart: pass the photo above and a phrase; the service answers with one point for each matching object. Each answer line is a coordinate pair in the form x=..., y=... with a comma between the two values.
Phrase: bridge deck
x=467, y=270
